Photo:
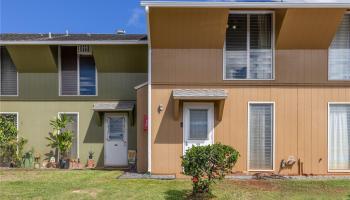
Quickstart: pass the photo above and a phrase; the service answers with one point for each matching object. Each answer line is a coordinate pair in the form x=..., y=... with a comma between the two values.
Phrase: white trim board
x=149, y=97
x=274, y=135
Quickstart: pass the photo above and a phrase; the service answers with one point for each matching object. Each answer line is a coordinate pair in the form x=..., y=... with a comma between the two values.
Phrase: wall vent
x=84, y=50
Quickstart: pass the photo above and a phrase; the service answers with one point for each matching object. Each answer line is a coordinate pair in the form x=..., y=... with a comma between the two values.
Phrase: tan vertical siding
x=141, y=110
x=301, y=125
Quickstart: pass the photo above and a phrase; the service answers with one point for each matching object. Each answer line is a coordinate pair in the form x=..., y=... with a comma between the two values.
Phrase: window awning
x=200, y=94
x=116, y=106
x=216, y=95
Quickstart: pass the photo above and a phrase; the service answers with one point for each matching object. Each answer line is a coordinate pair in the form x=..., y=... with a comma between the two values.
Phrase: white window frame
x=78, y=77
x=328, y=138
x=211, y=124
x=248, y=46
x=328, y=67
x=78, y=135
x=273, y=134
x=17, y=81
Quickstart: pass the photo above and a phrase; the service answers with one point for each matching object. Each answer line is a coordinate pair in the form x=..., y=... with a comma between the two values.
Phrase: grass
x=100, y=184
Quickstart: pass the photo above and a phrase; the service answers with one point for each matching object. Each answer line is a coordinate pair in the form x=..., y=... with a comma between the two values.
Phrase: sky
x=79, y=16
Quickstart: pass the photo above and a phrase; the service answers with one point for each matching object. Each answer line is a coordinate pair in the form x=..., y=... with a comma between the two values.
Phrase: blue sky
x=79, y=16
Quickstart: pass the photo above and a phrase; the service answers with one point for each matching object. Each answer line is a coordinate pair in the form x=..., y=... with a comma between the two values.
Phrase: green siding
x=34, y=117
x=111, y=86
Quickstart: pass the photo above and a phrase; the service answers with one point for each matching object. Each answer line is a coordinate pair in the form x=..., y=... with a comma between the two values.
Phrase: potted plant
x=61, y=139
x=90, y=162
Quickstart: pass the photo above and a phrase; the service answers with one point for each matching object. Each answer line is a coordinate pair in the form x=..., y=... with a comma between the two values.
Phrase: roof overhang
x=76, y=42
x=210, y=4
x=214, y=95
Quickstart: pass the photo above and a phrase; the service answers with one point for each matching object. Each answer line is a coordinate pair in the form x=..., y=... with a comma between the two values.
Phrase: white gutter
x=75, y=42
x=211, y=4
x=149, y=103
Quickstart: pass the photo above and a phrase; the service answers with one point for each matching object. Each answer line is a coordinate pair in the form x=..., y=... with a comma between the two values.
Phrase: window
x=11, y=116
x=249, y=46
x=74, y=127
x=198, y=124
x=261, y=136
x=339, y=137
x=8, y=74
x=116, y=127
x=339, y=52
x=78, y=75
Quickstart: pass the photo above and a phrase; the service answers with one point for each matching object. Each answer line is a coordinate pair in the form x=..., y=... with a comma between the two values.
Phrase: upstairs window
x=8, y=74
x=339, y=52
x=78, y=75
x=249, y=46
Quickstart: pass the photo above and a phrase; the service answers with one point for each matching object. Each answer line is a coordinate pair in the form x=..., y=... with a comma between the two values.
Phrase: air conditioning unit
x=84, y=50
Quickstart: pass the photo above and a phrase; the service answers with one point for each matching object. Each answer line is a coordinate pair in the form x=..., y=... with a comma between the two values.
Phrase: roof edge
x=75, y=42
x=192, y=4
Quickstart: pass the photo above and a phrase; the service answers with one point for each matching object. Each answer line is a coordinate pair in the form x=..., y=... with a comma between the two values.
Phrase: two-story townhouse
x=270, y=79
x=89, y=77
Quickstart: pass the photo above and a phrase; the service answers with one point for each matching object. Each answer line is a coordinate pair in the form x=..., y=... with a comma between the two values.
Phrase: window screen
x=87, y=75
x=339, y=52
x=248, y=47
x=116, y=128
x=339, y=137
x=77, y=78
x=69, y=71
x=198, y=124
x=73, y=126
x=8, y=74
x=261, y=137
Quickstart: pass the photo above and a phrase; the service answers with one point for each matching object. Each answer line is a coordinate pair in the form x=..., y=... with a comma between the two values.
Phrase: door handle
x=115, y=145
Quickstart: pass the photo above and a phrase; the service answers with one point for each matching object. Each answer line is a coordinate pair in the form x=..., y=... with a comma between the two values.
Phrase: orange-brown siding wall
x=141, y=100
x=301, y=125
x=186, y=58
x=205, y=67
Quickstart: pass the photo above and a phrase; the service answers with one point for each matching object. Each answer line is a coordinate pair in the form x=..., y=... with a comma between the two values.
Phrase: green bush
x=206, y=164
x=60, y=138
x=11, y=146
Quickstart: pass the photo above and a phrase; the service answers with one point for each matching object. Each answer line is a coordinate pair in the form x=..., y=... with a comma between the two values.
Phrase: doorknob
x=115, y=145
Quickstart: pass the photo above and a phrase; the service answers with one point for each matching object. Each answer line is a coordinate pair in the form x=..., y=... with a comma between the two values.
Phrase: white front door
x=116, y=139
x=198, y=124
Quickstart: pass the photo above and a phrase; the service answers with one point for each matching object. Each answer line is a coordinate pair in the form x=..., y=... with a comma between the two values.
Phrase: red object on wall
x=145, y=123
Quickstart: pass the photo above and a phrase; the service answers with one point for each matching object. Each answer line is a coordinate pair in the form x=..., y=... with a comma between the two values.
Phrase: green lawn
x=99, y=184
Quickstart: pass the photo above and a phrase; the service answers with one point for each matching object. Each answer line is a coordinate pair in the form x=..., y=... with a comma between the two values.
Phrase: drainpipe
x=149, y=96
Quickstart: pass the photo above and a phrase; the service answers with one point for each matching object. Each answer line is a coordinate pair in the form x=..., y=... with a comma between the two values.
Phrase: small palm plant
x=60, y=138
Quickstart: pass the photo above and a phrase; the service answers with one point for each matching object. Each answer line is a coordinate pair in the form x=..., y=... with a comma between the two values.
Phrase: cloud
x=135, y=18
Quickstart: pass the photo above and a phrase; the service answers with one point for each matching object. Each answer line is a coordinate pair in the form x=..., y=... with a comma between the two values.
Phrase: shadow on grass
x=186, y=194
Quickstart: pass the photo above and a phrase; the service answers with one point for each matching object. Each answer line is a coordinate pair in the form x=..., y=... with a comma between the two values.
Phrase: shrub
x=206, y=164
x=11, y=146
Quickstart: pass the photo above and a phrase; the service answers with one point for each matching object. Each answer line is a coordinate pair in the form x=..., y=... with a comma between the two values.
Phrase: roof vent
x=121, y=32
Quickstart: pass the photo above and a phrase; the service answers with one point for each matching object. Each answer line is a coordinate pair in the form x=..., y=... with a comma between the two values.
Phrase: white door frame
x=211, y=120
x=105, y=127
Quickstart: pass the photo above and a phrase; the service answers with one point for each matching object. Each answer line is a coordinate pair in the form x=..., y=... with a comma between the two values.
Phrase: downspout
x=149, y=96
